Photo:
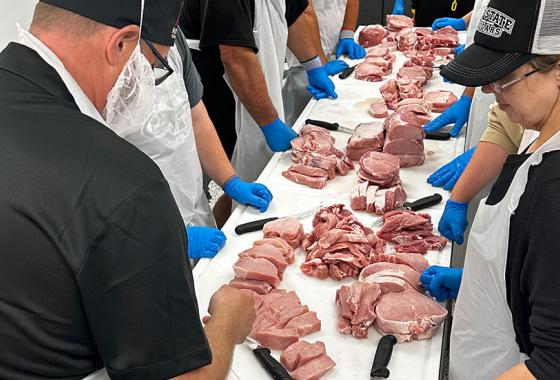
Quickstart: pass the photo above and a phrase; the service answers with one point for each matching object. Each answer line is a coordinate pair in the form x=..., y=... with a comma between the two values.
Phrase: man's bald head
x=48, y=19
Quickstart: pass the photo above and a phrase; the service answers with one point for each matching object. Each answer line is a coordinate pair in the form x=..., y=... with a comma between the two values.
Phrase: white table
x=354, y=358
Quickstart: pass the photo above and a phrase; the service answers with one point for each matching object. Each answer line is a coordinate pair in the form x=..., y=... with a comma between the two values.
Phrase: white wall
x=11, y=12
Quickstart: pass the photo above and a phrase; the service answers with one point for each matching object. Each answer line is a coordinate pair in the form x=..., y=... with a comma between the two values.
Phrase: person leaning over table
x=239, y=49
x=94, y=276
x=506, y=321
x=180, y=137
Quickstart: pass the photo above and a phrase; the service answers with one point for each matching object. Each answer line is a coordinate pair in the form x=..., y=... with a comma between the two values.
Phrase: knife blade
x=417, y=205
x=346, y=73
x=329, y=126
x=383, y=357
x=272, y=366
x=257, y=225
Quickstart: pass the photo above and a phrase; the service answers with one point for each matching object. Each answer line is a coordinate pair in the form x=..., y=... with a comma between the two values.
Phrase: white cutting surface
x=354, y=358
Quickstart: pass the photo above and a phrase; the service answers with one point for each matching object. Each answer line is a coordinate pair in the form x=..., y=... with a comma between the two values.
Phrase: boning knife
x=329, y=126
x=257, y=225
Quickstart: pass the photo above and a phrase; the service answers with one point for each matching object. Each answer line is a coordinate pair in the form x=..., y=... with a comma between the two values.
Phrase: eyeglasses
x=162, y=70
x=497, y=87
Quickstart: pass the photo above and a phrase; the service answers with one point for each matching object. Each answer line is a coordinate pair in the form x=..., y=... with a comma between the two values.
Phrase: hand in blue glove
x=459, y=49
x=252, y=194
x=278, y=135
x=320, y=85
x=349, y=47
x=441, y=282
x=335, y=67
x=448, y=174
x=455, y=23
x=205, y=242
x=398, y=9
x=453, y=222
x=458, y=113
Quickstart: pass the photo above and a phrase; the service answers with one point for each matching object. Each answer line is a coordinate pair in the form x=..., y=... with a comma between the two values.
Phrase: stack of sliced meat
x=339, y=245
x=391, y=277
x=379, y=169
x=396, y=23
x=355, y=307
x=282, y=319
x=443, y=38
x=288, y=229
x=440, y=100
x=306, y=361
x=316, y=159
x=378, y=109
x=406, y=39
x=404, y=132
x=373, y=69
x=411, y=231
x=390, y=93
x=367, y=137
x=286, y=249
x=371, y=35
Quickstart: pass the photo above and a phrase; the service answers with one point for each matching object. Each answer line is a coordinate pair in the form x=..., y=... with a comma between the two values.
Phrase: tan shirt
x=501, y=131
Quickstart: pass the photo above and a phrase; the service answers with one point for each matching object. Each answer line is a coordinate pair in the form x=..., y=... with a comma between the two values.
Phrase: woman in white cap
x=506, y=322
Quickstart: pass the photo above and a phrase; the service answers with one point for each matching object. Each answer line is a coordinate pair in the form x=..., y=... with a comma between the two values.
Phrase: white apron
x=483, y=342
x=168, y=139
x=478, y=116
x=251, y=154
x=330, y=16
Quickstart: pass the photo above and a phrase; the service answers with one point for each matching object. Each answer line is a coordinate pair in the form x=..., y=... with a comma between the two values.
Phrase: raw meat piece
x=389, y=284
x=378, y=110
x=418, y=106
x=259, y=287
x=247, y=268
x=314, y=131
x=290, y=357
x=269, y=252
x=288, y=229
x=403, y=146
x=311, y=352
x=423, y=31
x=415, y=261
x=315, y=268
x=396, y=23
x=380, y=169
x=313, y=369
x=390, y=93
x=389, y=199
x=277, y=339
x=371, y=197
x=401, y=271
x=410, y=88
x=398, y=221
x=289, y=313
x=436, y=242
x=305, y=324
x=356, y=308
x=285, y=248
x=377, y=51
x=397, y=127
x=369, y=72
x=309, y=170
x=440, y=100
x=389, y=44
x=366, y=137
x=371, y=35
x=358, y=196
x=415, y=73
x=408, y=315
x=302, y=179
x=408, y=160
x=406, y=39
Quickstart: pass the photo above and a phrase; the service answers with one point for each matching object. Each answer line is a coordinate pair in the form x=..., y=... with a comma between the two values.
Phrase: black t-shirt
x=93, y=264
x=429, y=10
x=533, y=262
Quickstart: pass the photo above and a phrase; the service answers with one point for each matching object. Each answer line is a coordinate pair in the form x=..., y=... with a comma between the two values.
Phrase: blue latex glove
x=320, y=85
x=278, y=135
x=448, y=174
x=455, y=23
x=459, y=49
x=453, y=222
x=253, y=194
x=458, y=113
x=349, y=47
x=398, y=9
x=205, y=242
x=441, y=282
x=335, y=67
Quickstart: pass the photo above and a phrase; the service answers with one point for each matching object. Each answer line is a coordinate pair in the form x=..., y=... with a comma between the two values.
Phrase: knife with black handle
x=272, y=366
x=253, y=226
x=346, y=73
x=438, y=135
x=329, y=126
x=423, y=203
x=383, y=357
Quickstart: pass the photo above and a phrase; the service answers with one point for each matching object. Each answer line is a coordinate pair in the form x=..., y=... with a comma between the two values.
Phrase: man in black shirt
x=93, y=252
x=427, y=11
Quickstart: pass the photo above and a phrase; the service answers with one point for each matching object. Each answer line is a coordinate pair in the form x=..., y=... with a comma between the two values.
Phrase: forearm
x=519, y=372
x=351, y=15
x=484, y=166
x=222, y=348
x=248, y=81
x=213, y=159
x=467, y=18
x=304, y=38
x=469, y=91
